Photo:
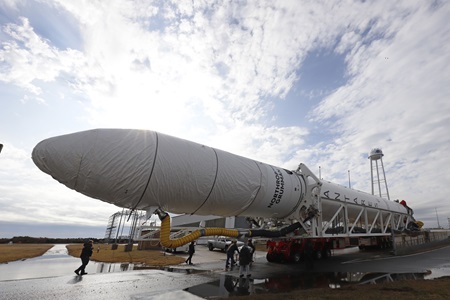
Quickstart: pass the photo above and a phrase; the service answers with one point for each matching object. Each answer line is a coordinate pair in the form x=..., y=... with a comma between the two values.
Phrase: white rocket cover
x=108, y=164
x=140, y=169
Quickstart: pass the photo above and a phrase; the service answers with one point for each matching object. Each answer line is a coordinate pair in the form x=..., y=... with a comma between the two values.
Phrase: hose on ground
x=168, y=243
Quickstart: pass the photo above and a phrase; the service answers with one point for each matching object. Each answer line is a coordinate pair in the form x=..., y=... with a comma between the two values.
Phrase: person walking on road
x=191, y=252
x=85, y=255
x=245, y=258
x=230, y=254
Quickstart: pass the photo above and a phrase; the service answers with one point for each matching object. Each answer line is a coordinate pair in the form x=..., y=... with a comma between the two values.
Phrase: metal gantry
x=330, y=210
x=121, y=220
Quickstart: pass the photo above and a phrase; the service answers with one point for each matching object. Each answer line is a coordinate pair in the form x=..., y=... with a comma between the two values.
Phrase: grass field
x=148, y=257
x=12, y=252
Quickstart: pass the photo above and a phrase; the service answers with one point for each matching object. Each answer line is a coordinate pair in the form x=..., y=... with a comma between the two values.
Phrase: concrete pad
x=108, y=286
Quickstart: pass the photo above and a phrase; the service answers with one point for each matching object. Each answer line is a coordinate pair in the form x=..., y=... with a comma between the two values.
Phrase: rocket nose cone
x=112, y=165
x=61, y=156
x=39, y=155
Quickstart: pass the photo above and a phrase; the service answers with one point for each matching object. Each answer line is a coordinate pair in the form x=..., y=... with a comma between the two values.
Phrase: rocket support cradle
x=141, y=169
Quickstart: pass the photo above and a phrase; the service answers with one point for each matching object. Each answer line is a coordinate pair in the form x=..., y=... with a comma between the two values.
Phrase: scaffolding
x=111, y=228
x=120, y=221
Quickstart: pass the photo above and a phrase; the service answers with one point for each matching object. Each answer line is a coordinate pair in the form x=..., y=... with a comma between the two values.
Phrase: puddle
x=231, y=286
x=443, y=271
x=184, y=271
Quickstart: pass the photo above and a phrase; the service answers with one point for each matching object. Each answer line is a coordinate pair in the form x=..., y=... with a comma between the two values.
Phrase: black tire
x=297, y=257
x=326, y=253
x=318, y=255
x=210, y=247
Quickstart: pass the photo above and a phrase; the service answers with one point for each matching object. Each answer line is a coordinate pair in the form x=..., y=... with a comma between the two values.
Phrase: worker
x=245, y=258
x=230, y=254
x=191, y=252
x=408, y=209
x=85, y=255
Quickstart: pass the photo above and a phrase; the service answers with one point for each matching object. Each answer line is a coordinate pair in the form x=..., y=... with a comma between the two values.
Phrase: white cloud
x=12, y=4
x=397, y=99
x=27, y=58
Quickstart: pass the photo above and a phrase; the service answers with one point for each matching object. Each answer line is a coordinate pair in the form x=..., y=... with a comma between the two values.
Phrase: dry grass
x=12, y=252
x=148, y=257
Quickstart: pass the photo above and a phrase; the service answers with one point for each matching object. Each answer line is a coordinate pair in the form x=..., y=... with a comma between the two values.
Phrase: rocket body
x=138, y=169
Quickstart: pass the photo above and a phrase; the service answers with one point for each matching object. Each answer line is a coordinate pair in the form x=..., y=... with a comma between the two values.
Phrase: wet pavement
x=207, y=278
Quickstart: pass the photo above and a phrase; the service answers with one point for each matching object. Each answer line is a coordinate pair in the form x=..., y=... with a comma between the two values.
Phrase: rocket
x=143, y=169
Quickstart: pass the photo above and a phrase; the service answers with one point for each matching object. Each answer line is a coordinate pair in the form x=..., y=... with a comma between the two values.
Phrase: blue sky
x=282, y=82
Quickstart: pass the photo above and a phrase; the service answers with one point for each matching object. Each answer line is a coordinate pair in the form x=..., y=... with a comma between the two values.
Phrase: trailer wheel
x=318, y=254
x=297, y=257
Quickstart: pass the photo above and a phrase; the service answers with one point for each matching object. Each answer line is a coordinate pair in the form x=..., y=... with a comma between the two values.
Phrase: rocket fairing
x=138, y=169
